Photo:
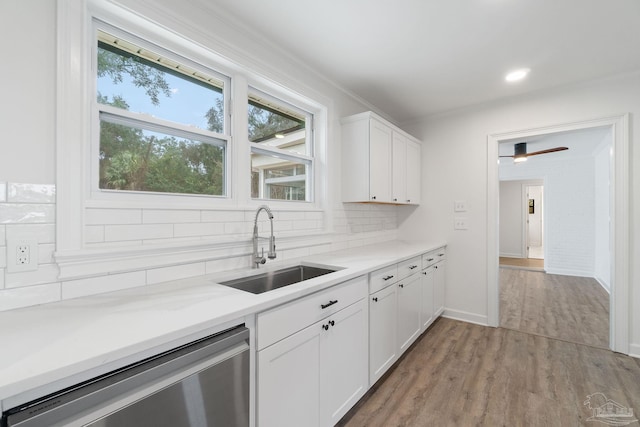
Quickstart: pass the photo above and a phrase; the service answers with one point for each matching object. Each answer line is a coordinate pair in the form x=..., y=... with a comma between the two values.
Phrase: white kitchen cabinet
x=382, y=332
x=343, y=362
x=426, y=306
x=439, y=273
x=376, y=164
x=313, y=376
x=405, y=170
x=409, y=298
x=413, y=178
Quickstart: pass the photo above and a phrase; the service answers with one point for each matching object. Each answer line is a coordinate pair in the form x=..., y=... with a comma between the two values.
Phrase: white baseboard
x=634, y=350
x=603, y=284
x=567, y=272
x=466, y=317
x=508, y=255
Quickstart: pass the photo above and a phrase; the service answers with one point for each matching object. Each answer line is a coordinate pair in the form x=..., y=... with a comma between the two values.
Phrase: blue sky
x=187, y=105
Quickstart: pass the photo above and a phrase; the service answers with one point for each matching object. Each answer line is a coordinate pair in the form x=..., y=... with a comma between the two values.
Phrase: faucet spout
x=259, y=258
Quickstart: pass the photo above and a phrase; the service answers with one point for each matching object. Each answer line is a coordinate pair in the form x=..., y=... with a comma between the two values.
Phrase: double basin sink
x=271, y=280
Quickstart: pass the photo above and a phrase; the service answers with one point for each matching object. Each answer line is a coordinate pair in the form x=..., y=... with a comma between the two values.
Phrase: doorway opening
x=618, y=237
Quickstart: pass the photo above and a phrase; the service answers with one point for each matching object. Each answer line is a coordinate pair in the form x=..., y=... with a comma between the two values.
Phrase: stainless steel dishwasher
x=204, y=383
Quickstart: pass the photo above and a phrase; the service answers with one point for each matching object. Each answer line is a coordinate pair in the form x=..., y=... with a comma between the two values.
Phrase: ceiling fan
x=520, y=152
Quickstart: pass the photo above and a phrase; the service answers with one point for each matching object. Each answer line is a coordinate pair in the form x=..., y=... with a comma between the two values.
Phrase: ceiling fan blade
x=550, y=150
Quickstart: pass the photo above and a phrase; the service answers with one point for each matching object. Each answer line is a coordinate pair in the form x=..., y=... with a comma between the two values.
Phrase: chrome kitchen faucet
x=259, y=258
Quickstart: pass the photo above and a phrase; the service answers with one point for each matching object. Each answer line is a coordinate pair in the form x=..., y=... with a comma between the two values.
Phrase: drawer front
x=432, y=257
x=280, y=322
x=409, y=267
x=429, y=259
x=382, y=278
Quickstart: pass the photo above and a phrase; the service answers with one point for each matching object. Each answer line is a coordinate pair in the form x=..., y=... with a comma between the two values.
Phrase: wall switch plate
x=459, y=206
x=22, y=255
x=460, y=224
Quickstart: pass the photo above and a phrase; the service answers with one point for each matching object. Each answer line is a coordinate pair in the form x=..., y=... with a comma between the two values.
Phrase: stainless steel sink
x=271, y=280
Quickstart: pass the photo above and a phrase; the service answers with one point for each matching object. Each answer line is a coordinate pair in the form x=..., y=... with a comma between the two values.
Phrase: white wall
x=455, y=168
x=511, y=219
x=28, y=157
x=569, y=211
x=602, y=267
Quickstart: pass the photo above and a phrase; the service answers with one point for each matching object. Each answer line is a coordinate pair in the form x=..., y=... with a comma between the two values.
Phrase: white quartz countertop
x=57, y=345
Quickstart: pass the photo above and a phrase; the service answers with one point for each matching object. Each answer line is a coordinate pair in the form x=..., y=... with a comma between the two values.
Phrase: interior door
x=534, y=221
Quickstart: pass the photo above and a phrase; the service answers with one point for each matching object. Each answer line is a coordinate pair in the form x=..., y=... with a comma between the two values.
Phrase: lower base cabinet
x=383, y=318
x=409, y=295
x=313, y=377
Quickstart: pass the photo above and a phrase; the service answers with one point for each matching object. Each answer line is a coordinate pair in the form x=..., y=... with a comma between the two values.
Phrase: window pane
x=136, y=159
x=138, y=80
x=276, y=178
x=276, y=125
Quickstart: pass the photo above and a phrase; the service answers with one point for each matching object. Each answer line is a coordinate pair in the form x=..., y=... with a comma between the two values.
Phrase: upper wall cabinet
x=380, y=162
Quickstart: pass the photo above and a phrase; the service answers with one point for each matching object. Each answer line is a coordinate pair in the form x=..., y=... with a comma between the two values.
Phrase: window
x=162, y=124
x=281, y=149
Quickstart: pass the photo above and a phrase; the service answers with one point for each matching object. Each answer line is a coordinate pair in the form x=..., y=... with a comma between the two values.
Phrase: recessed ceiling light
x=279, y=135
x=517, y=75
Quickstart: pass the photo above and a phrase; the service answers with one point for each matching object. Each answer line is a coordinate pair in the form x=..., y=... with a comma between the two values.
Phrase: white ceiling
x=581, y=143
x=413, y=58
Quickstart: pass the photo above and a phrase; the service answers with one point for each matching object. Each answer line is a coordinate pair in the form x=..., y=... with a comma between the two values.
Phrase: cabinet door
x=289, y=381
x=408, y=311
x=426, y=309
x=382, y=332
x=380, y=162
x=439, y=273
x=413, y=177
x=399, y=169
x=344, y=377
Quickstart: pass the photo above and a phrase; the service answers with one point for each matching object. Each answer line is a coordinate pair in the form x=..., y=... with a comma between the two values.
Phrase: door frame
x=619, y=300
x=525, y=220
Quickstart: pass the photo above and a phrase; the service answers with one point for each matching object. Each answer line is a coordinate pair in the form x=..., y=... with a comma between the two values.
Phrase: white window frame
x=152, y=123
x=73, y=128
x=308, y=158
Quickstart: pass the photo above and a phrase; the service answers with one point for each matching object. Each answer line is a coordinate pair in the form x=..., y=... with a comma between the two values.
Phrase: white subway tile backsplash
x=223, y=216
x=94, y=233
x=3, y=235
x=113, y=216
x=2, y=278
x=199, y=229
x=43, y=233
x=305, y=225
x=318, y=216
x=29, y=295
x=3, y=192
x=31, y=193
x=156, y=216
x=27, y=213
x=165, y=274
x=228, y=264
x=46, y=273
x=96, y=285
x=114, y=233
x=238, y=228
x=289, y=215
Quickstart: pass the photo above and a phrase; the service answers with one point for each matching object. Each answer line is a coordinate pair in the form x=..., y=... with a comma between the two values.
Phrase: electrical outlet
x=22, y=255
x=460, y=224
x=459, y=206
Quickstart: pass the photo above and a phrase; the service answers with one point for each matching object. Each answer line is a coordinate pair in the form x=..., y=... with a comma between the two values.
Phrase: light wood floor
x=530, y=263
x=571, y=308
x=460, y=374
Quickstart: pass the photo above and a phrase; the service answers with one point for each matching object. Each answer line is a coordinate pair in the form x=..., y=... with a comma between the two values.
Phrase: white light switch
x=460, y=224
x=459, y=206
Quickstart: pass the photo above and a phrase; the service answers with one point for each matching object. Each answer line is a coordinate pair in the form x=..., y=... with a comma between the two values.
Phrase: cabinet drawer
x=432, y=257
x=379, y=279
x=408, y=267
x=280, y=322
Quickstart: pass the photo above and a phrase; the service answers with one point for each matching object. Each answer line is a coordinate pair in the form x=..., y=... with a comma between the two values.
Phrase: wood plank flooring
x=460, y=374
x=571, y=308
x=530, y=263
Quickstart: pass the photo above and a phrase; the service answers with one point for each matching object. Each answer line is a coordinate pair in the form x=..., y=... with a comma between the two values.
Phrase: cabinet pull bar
x=329, y=304
x=412, y=267
x=387, y=278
